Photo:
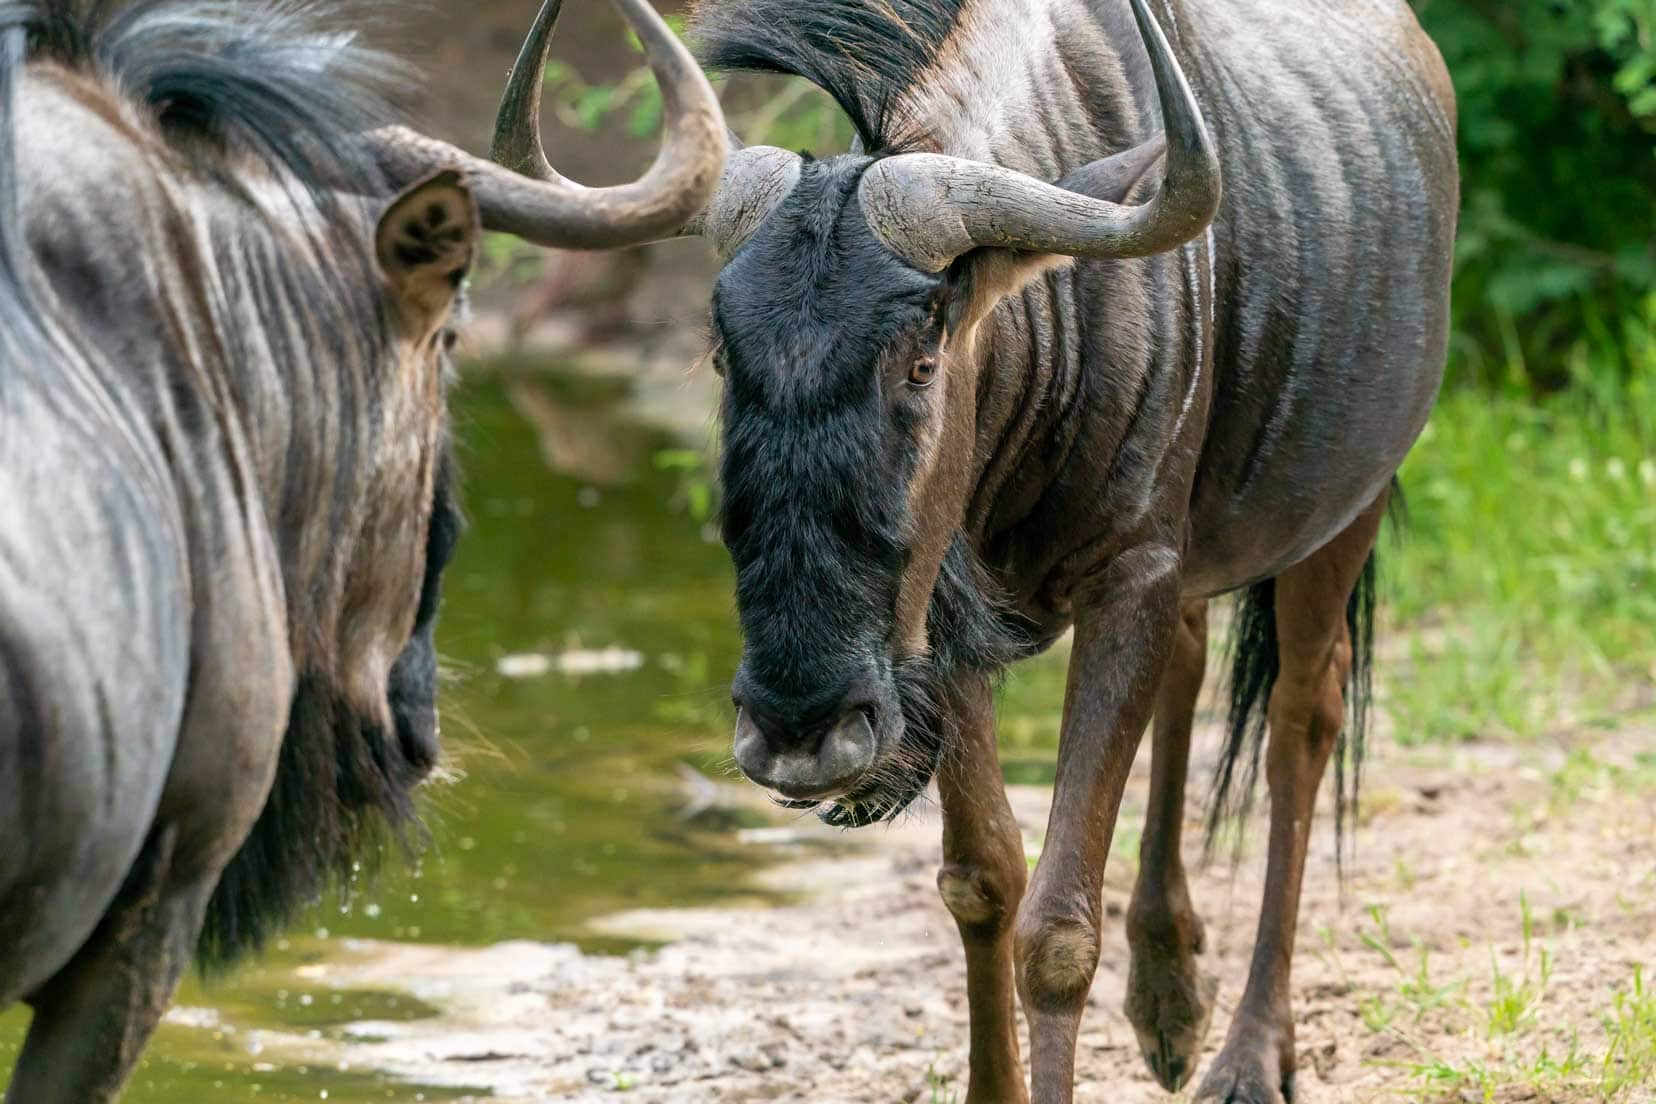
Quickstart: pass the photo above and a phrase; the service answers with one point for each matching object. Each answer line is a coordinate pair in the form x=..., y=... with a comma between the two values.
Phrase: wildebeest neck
x=255, y=277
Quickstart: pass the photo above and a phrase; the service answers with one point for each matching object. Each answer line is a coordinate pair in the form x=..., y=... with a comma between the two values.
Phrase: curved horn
x=756, y=178
x=517, y=137
x=524, y=196
x=931, y=208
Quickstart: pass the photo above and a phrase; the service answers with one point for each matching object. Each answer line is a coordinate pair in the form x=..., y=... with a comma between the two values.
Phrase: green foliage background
x=1557, y=258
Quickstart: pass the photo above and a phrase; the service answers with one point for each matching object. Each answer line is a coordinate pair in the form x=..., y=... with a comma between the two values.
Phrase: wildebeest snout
x=800, y=759
x=825, y=764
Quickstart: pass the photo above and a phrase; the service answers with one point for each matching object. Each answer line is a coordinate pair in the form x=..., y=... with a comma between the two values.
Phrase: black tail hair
x=1254, y=668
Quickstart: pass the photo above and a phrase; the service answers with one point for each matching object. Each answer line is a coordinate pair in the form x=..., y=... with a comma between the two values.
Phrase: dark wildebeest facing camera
x=228, y=289
x=1016, y=365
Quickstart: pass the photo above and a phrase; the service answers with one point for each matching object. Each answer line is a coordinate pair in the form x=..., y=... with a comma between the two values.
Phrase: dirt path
x=856, y=994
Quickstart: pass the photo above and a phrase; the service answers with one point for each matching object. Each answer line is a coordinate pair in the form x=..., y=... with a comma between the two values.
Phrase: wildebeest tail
x=339, y=791
x=1254, y=666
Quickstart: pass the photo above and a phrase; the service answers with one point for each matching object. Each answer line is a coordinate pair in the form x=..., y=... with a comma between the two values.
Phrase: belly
x=1275, y=486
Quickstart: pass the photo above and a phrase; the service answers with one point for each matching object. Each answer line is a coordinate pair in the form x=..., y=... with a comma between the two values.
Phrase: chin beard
x=902, y=774
x=972, y=629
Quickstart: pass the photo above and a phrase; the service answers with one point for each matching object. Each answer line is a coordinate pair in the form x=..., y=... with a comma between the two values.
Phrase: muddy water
x=571, y=796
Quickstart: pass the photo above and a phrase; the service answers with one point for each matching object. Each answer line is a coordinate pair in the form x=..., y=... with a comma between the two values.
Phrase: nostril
x=751, y=747
x=858, y=715
x=862, y=713
x=766, y=725
x=848, y=749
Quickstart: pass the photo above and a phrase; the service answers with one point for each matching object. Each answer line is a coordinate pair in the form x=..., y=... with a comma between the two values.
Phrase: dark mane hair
x=283, y=80
x=235, y=88
x=863, y=53
x=286, y=80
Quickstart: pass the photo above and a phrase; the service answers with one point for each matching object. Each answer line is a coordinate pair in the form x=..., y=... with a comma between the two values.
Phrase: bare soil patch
x=856, y=993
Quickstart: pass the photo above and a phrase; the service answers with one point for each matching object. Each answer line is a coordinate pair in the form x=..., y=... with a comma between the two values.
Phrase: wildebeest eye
x=923, y=372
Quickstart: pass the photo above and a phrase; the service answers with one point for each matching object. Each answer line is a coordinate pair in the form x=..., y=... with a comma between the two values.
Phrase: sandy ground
x=856, y=993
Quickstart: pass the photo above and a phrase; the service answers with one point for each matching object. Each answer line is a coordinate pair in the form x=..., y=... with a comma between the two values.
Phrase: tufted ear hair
x=986, y=276
x=990, y=275
x=426, y=243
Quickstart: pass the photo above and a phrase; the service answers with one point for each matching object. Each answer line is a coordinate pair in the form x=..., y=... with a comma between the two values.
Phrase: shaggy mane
x=863, y=53
x=287, y=80
x=282, y=80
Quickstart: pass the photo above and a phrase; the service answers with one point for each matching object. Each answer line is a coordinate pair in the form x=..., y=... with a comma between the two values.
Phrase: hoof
x=1170, y=1004
x=1247, y=1073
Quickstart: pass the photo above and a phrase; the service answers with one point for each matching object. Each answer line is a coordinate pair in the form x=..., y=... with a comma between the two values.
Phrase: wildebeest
x=944, y=445
x=227, y=295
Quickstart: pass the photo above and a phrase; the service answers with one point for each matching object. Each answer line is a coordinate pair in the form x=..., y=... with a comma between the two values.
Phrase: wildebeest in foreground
x=227, y=295
x=944, y=446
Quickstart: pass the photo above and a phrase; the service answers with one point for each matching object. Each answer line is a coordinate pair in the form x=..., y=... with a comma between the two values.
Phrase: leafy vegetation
x=1557, y=254
x=788, y=112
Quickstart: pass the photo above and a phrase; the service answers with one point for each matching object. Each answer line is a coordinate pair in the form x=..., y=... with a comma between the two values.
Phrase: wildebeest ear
x=989, y=275
x=986, y=276
x=426, y=244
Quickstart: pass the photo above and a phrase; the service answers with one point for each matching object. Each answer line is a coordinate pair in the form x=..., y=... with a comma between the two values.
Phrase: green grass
x=1416, y=990
x=1624, y=1070
x=1520, y=594
x=1630, y=1059
x=938, y=1084
x=1515, y=998
x=1523, y=590
x=1522, y=1056
x=1583, y=772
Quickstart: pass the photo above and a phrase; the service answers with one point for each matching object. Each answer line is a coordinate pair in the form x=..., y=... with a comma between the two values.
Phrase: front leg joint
x=981, y=900
x=1057, y=957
